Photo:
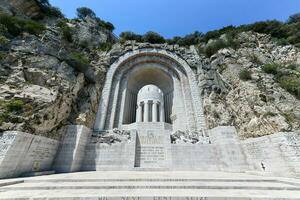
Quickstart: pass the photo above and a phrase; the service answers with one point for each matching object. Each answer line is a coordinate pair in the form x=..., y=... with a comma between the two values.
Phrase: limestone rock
x=256, y=107
x=180, y=137
x=113, y=136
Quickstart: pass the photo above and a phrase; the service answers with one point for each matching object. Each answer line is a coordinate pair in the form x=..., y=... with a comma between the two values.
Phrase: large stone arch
x=188, y=113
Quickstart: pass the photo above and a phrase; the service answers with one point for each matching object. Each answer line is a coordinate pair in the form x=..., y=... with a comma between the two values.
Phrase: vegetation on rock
x=66, y=31
x=271, y=68
x=215, y=45
x=79, y=58
x=15, y=25
x=15, y=105
x=245, y=75
x=49, y=10
x=153, y=38
x=291, y=83
x=84, y=12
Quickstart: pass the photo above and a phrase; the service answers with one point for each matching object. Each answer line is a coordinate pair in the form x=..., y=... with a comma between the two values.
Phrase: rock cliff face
x=43, y=86
x=259, y=106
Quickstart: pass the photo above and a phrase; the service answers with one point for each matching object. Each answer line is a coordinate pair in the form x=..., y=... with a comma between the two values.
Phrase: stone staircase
x=160, y=185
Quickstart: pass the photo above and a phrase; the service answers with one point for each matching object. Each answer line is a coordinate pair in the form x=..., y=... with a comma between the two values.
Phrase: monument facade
x=151, y=97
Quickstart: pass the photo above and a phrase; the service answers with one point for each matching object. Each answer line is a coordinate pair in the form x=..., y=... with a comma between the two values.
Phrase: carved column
x=154, y=111
x=146, y=112
x=139, y=113
x=162, y=112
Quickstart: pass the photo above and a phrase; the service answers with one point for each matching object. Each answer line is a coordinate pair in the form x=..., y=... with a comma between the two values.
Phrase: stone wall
x=225, y=153
x=115, y=156
x=72, y=148
x=22, y=152
x=278, y=153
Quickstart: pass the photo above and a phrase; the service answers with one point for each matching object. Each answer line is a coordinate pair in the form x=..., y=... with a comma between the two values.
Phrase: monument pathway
x=157, y=185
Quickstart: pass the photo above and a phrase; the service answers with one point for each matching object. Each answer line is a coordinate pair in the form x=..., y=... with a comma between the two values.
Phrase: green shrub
x=33, y=27
x=214, y=47
x=105, y=47
x=188, y=40
x=294, y=18
x=54, y=11
x=3, y=117
x=245, y=75
x=125, y=36
x=271, y=68
x=3, y=40
x=2, y=56
x=79, y=58
x=106, y=25
x=84, y=44
x=15, y=26
x=66, y=31
x=12, y=24
x=153, y=38
x=15, y=105
x=43, y=3
x=269, y=114
x=292, y=66
x=49, y=10
x=218, y=44
x=255, y=59
x=83, y=12
x=290, y=83
x=282, y=42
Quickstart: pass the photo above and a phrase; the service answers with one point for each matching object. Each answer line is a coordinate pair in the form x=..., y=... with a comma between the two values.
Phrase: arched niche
x=149, y=74
x=165, y=69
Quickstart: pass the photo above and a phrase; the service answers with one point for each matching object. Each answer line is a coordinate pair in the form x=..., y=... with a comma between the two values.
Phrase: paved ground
x=138, y=185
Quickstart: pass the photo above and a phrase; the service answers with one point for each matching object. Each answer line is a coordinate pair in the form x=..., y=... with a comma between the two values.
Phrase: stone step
x=43, y=173
x=151, y=180
x=151, y=185
x=136, y=185
x=152, y=194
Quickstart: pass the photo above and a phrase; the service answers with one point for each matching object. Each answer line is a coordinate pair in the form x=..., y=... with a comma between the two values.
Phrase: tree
x=294, y=18
x=131, y=36
x=109, y=26
x=43, y=3
x=153, y=38
x=190, y=39
x=83, y=12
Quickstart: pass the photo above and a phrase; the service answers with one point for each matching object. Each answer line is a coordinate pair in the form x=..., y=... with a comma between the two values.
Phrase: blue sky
x=180, y=17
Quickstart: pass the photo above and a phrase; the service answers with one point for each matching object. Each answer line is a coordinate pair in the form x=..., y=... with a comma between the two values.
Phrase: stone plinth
x=71, y=151
x=114, y=156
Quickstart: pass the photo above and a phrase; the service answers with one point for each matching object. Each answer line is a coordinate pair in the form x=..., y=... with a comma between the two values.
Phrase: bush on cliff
x=271, y=68
x=49, y=10
x=288, y=80
x=153, y=38
x=15, y=25
x=66, y=31
x=188, y=40
x=291, y=83
x=245, y=75
x=84, y=12
x=214, y=46
x=125, y=36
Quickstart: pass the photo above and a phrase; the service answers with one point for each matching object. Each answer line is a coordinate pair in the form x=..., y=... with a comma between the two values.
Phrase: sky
x=180, y=17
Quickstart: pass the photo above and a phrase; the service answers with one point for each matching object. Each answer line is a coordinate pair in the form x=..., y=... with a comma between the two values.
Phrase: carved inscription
x=152, y=198
x=151, y=154
x=150, y=150
x=5, y=143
